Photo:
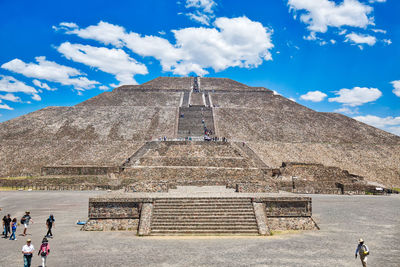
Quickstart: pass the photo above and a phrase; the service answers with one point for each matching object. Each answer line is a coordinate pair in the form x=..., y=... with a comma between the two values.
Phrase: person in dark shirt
x=4, y=225
x=50, y=222
x=7, y=223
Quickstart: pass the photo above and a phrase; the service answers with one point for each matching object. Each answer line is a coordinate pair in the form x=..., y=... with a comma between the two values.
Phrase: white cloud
x=43, y=85
x=356, y=96
x=314, y=96
x=36, y=97
x=50, y=71
x=377, y=1
x=347, y=110
x=321, y=14
x=103, y=87
x=387, y=41
x=10, y=97
x=391, y=124
x=199, y=17
x=205, y=5
x=5, y=106
x=104, y=32
x=236, y=42
x=396, y=86
x=69, y=24
x=379, y=31
x=360, y=39
x=204, y=10
x=11, y=85
x=333, y=41
x=394, y=130
x=113, y=61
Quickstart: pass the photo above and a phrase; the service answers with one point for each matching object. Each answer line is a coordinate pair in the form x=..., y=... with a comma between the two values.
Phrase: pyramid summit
x=150, y=137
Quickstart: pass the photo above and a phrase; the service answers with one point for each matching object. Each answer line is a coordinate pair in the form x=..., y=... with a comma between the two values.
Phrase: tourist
x=44, y=251
x=363, y=251
x=4, y=225
x=26, y=219
x=7, y=223
x=27, y=250
x=50, y=223
x=13, y=228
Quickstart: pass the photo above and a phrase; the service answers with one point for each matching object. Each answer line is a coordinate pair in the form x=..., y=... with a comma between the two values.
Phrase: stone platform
x=200, y=211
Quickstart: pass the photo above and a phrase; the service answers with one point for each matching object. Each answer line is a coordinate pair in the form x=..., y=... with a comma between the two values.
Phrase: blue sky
x=331, y=56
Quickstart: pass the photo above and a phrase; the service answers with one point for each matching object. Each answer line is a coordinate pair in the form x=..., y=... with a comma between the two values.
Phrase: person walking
x=26, y=219
x=27, y=251
x=6, y=225
x=44, y=251
x=363, y=251
x=13, y=228
x=50, y=222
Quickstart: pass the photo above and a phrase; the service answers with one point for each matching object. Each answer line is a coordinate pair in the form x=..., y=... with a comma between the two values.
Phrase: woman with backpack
x=44, y=251
x=13, y=229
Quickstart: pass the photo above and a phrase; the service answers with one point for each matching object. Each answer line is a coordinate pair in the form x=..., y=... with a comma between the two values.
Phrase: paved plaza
x=343, y=219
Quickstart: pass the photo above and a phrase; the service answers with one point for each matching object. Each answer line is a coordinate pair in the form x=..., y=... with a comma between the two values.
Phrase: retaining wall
x=123, y=212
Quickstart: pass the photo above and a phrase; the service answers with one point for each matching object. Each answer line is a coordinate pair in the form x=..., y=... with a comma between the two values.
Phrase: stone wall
x=291, y=223
x=78, y=170
x=288, y=207
x=111, y=225
x=115, y=209
x=129, y=212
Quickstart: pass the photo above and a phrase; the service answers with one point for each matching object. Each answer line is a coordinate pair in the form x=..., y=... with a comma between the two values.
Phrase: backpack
x=363, y=250
x=44, y=251
x=22, y=220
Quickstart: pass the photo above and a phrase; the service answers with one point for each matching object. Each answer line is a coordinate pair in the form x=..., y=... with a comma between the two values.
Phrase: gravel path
x=343, y=219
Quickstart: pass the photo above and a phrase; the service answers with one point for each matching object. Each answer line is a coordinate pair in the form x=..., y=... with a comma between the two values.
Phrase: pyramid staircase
x=202, y=216
x=191, y=123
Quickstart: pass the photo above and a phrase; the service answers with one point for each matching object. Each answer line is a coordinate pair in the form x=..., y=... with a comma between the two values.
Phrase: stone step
x=173, y=220
x=202, y=206
x=217, y=233
x=217, y=214
x=209, y=199
x=206, y=227
x=202, y=210
x=204, y=232
x=195, y=223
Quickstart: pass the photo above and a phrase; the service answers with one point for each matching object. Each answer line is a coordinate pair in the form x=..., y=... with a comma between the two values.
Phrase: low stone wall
x=291, y=223
x=195, y=161
x=127, y=213
x=78, y=170
x=111, y=225
x=113, y=214
x=288, y=206
x=115, y=209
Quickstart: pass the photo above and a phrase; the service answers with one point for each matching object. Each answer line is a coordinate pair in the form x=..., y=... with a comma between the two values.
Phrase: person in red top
x=44, y=251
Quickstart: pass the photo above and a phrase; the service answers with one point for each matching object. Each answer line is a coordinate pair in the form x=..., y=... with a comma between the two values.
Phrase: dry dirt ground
x=343, y=219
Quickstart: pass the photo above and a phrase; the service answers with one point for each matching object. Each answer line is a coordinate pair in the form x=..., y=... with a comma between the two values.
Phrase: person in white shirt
x=27, y=251
x=363, y=251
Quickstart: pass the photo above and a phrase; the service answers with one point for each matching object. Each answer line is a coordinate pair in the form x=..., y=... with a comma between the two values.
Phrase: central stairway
x=202, y=216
